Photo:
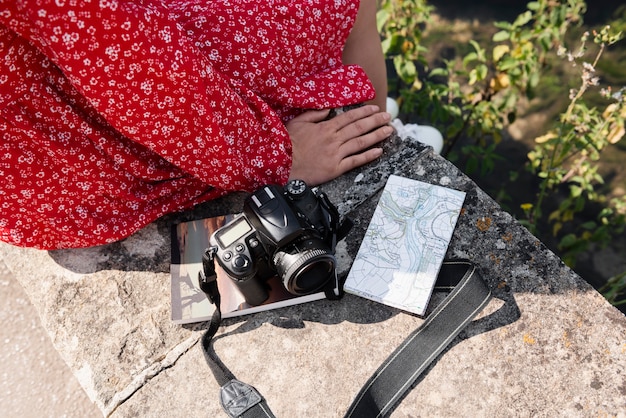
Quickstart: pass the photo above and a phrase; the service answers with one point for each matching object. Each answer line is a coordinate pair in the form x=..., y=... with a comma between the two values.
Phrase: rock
x=547, y=345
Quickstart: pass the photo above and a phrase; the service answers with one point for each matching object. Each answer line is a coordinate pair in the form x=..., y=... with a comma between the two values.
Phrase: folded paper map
x=405, y=244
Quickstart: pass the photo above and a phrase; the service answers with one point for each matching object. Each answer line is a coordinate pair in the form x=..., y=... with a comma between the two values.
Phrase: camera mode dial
x=296, y=188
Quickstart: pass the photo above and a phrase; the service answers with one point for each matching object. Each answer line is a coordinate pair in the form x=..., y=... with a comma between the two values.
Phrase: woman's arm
x=363, y=48
x=346, y=141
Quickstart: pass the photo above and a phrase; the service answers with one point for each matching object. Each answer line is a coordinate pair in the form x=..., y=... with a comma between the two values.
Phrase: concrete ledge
x=548, y=345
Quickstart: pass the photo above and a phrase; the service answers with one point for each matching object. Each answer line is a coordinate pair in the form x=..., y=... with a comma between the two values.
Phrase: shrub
x=472, y=97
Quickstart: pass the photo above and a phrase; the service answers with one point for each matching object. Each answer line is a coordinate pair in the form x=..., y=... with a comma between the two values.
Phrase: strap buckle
x=237, y=398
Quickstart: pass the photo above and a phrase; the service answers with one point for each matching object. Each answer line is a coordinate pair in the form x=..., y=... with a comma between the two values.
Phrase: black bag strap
x=388, y=385
x=403, y=367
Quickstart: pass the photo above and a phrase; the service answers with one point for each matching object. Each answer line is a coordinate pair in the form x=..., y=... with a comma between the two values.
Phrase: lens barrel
x=305, y=266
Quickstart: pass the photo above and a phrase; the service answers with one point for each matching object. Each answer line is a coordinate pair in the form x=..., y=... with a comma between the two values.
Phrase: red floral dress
x=113, y=113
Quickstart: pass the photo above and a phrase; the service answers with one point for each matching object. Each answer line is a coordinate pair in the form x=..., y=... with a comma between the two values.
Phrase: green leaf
x=439, y=72
x=523, y=19
x=405, y=68
x=482, y=71
x=386, y=46
x=500, y=36
x=506, y=26
x=382, y=16
x=533, y=5
x=473, y=77
x=534, y=79
x=392, y=44
x=472, y=56
x=499, y=51
x=591, y=225
x=568, y=240
x=507, y=63
x=476, y=46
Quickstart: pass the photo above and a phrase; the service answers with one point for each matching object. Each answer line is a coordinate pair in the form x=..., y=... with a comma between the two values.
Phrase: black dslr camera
x=290, y=232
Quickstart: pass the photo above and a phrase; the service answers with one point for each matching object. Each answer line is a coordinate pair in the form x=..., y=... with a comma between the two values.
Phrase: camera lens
x=305, y=266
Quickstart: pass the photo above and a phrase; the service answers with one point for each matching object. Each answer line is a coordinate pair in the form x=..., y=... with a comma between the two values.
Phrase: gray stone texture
x=33, y=377
x=547, y=345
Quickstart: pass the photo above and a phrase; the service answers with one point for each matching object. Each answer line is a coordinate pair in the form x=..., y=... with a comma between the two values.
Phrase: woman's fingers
x=363, y=142
x=357, y=160
x=324, y=149
x=358, y=121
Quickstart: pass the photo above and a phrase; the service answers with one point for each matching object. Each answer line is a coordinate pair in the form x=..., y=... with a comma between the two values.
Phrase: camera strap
x=468, y=295
x=238, y=399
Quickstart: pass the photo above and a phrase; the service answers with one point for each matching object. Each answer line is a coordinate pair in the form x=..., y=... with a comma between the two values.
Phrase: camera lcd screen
x=236, y=230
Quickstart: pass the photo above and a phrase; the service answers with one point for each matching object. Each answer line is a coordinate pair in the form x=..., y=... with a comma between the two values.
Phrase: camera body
x=287, y=231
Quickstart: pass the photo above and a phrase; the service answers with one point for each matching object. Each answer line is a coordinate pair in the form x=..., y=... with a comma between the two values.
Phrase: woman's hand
x=326, y=149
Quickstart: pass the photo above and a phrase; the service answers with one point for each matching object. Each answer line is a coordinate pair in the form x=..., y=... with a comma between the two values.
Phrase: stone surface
x=547, y=345
x=33, y=378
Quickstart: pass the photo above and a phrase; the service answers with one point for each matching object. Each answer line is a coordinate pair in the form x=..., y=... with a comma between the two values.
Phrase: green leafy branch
x=568, y=155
